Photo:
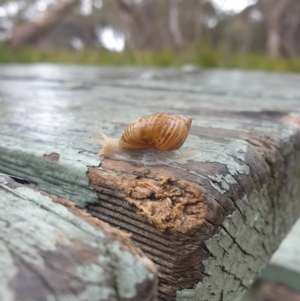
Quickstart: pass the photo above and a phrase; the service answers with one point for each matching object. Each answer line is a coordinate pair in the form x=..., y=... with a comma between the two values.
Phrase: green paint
x=66, y=178
x=46, y=224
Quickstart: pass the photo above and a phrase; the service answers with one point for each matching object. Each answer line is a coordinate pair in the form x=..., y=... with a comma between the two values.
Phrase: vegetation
x=265, y=35
x=203, y=56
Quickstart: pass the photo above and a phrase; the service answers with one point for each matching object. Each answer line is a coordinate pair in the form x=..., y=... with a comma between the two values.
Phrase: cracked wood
x=210, y=224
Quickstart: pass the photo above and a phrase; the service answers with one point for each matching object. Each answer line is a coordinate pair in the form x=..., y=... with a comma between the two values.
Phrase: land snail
x=151, y=140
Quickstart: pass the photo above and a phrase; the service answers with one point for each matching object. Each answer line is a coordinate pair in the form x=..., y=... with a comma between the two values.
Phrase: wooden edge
x=277, y=292
x=52, y=169
x=281, y=275
x=284, y=266
x=209, y=227
x=51, y=250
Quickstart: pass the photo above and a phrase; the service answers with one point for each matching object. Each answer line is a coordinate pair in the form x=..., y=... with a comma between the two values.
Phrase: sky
x=111, y=40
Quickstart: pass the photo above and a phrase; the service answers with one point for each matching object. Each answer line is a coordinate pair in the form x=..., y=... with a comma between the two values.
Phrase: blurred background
x=247, y=34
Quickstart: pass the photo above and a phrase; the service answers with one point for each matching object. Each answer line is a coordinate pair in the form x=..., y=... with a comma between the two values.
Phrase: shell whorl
x=159, y=131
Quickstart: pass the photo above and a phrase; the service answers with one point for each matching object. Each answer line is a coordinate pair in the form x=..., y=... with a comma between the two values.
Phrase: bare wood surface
x=210, y=224
x=53, y=251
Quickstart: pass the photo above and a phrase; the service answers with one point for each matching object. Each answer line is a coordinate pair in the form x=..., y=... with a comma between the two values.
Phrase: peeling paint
x=240, y=249
x=65, y=178
x=51, y=157
x=43, y=231
x=136, y=272
x=7, y=272
x=214, y=151
x=224, y=116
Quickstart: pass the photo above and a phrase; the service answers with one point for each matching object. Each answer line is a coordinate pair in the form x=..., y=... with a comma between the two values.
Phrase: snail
x=151, y=139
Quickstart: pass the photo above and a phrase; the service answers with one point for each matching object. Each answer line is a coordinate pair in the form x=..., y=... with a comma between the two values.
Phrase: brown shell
x=160, y=131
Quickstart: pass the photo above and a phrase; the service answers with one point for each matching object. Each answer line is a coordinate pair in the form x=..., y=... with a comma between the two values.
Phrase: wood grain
x=210, y=224
x=201, y=232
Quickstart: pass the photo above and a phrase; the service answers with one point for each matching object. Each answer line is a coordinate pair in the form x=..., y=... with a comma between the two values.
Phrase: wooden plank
x=213, y=222
x=288, y=253
x=281, y=277
x=275, y=292
x=53, y=251
x=284, y=266
x=267, y=291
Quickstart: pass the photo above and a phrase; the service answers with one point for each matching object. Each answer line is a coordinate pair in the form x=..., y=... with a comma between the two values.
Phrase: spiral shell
x=159, y=131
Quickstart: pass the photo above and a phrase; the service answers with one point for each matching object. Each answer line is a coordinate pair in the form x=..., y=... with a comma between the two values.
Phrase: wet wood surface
x=209, y=224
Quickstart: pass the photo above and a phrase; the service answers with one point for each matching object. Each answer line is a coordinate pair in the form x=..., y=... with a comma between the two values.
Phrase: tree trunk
x=291, y=29
x=36, y=28
x=273, y=11
x=174, y=24
x=139, y=20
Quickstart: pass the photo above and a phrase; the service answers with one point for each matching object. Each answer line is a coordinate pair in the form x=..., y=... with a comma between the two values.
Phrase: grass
x=204, y=56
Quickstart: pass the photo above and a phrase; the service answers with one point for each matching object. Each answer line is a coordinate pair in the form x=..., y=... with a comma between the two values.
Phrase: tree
x=36, y=28
x=273, y=12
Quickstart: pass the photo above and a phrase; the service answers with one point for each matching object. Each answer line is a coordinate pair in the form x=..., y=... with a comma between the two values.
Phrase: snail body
x=151, y=139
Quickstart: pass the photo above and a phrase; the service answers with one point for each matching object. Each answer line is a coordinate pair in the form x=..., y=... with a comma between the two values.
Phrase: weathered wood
x=210, y=224
x=283, y=269
x=190, y=212
x=284, y=266
x=49, y=251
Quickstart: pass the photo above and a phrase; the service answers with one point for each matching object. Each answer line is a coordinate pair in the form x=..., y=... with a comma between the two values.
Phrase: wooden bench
x=209, y=224
x=280, y=279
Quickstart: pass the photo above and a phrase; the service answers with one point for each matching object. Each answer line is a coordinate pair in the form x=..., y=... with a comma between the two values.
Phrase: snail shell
x=160, y=131
x=151, y=139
